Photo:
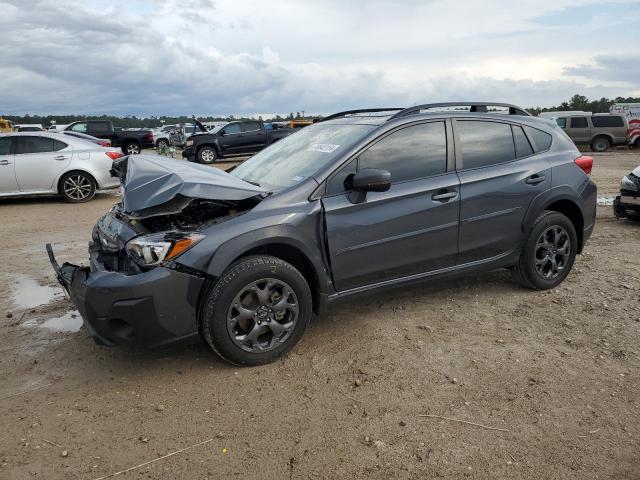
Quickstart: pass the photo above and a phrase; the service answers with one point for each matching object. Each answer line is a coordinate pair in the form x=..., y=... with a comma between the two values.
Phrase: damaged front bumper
x=625, y=205
x=150, y=309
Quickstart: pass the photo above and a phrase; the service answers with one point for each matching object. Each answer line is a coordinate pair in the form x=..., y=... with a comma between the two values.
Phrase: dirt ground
x=555, y=374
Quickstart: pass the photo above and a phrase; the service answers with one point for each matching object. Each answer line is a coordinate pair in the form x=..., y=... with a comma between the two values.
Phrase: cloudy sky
x=153, y=57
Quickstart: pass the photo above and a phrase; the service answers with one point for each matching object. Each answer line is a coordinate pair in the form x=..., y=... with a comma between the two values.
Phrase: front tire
x=601, y=144
x=162, y=143
x=207, y=155
x=257, y=311
x=77, y=187
x=548, y=253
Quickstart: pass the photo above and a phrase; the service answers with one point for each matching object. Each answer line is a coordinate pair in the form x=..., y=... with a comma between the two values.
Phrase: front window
x=300, y=155
x=80, y=127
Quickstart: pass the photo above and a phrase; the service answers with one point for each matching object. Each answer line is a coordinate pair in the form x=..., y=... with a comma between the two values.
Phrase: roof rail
x=361, y=110
x=474, y=107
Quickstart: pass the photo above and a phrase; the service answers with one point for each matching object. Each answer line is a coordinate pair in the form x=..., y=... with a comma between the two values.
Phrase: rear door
x=8, y=183
x=410, y=229
x=254, y=136
x=100, y=130
x=39, y=161
x=500, y=174
x=578, y=130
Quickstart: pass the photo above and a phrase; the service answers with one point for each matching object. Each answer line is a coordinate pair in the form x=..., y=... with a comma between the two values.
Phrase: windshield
x=300, y=155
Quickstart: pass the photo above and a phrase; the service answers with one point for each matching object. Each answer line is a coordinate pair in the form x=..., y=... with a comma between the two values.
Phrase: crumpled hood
x=152, y=181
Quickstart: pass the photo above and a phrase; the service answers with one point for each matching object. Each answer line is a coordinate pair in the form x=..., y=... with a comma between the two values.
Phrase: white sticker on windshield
x=297, y=179
x=323, y=147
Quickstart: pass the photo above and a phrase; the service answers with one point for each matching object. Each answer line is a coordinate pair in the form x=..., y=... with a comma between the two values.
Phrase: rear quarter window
x=542, y=140
x=607, y=121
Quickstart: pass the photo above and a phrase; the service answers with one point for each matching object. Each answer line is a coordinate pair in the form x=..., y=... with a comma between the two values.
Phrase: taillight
x=585, y=163
x=104, y=143
x=114, y=155
x=150, y=136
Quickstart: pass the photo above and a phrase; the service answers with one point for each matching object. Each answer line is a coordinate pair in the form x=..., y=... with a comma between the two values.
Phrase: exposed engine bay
x=627, y=204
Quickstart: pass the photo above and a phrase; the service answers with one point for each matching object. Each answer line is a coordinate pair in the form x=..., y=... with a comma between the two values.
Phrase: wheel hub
x=262, y=315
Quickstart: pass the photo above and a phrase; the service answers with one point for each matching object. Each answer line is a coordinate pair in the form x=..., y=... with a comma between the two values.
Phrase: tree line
x=577, y=102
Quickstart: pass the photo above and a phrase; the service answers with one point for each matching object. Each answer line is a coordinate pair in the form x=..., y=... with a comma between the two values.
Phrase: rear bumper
x=150, y=309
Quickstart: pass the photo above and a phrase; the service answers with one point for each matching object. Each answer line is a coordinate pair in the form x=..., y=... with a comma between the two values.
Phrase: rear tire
x=257, y=311
x=162, y=143
x=207, y=155
x=601, y=144
x=77, y=187
x=131, y=148
x=548, y=253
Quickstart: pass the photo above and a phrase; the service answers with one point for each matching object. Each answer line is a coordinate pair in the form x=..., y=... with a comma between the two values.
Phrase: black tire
x=637, y=143
x=600, y=144
x=207, y=155
x=131, y=148
x=77, y=187
x=218, y=305
x=526, y=272
x=162, y=143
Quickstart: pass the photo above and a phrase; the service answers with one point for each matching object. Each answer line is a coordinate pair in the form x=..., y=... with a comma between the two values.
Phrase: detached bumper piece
x=626, y=205
x=150, y=309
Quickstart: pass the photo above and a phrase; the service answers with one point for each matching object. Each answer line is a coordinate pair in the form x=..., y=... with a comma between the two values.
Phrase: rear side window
x=523, y=147
x=579, y=122
x=542, y=140
x=250, y=126
x=35, y=145
x=607, y=121
x=58, y=145
x=411, y=153
x=5, y=146
x=485, y=143
x=99, y=127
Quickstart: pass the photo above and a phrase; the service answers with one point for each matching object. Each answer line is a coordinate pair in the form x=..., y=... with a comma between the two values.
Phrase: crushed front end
x=627, y=204
x=135, y=290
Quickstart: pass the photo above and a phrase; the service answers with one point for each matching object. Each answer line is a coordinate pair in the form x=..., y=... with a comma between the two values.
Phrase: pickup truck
x=130, y=141
x=236, y=138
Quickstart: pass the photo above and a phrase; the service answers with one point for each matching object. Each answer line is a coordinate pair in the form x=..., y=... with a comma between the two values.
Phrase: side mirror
x=371, y=180
x=221, y=133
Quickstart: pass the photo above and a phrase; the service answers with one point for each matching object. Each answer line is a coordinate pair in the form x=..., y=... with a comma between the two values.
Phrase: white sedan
x=34, y=163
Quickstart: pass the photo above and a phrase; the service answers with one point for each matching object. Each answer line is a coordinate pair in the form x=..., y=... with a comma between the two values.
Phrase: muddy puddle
x=69, y=322
x=28, y=293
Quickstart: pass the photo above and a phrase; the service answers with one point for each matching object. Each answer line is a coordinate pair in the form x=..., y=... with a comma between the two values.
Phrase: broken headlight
x=629, y=182
x=152, y=250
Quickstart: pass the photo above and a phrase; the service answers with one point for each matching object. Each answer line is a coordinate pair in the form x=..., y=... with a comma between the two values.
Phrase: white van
x=632, y=113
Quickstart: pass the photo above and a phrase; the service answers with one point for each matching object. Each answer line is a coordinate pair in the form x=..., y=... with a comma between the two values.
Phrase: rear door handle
x=60, y=157
x=444, y=196
x=5, y=162
x=535, y=179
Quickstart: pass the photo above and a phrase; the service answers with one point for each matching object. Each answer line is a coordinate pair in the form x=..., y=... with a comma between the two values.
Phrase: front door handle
x=5, y=162
x=535, y=179
x=60, y=157
x=444, y=196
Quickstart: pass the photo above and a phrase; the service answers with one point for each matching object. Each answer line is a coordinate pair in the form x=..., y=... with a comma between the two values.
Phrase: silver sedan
x=33, y=163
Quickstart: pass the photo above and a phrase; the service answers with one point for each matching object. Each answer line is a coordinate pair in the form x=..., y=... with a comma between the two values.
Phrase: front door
x=502, y=170
x=8, y=183
x=39, y=161
x=408, y=230
x=231, y=139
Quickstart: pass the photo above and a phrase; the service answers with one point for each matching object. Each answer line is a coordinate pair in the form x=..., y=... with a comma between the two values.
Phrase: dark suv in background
x=360, y=202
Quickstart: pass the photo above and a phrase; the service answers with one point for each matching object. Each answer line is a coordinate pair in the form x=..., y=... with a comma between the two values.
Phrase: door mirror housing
x=222, y=133
x=371, y=180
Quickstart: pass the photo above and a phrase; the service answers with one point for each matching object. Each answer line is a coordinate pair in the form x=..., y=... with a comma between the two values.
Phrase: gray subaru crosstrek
x=361, y=201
